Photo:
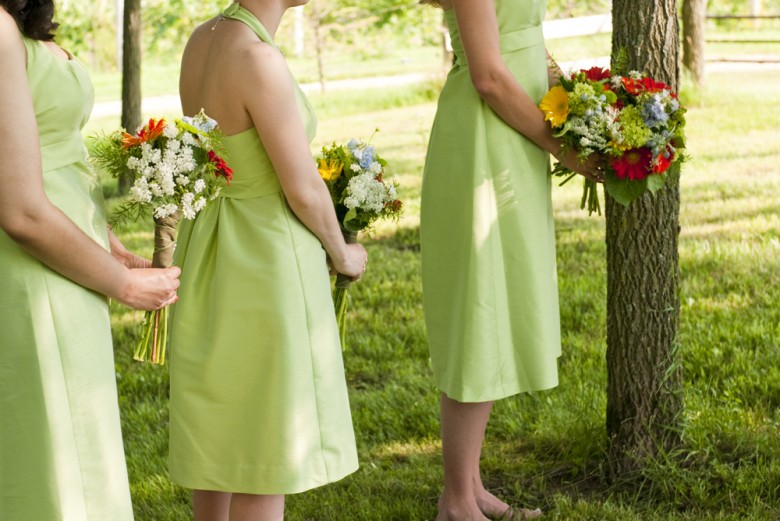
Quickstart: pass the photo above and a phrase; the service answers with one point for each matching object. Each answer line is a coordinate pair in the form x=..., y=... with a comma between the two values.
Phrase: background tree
x=644, y=389
x=131, y=72
x=88, y=30
x=694, y=16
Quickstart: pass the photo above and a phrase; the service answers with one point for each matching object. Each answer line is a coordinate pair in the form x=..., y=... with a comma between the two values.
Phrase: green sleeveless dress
x=61, y=455
x=259, y=400
x=487, y=236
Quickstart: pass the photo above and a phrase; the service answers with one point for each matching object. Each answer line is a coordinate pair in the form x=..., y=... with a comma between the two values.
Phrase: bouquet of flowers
x=176, y=169
x=634, y=121
x=354, y=174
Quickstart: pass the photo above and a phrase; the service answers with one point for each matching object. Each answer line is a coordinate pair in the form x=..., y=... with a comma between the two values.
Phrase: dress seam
x=287, y=212
x=497, y=347
x=70, y=405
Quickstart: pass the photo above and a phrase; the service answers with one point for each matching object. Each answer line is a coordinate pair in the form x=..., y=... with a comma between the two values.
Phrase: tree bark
x=316, y=15
x=644, y=388
x=131, y=73
x=694, y=15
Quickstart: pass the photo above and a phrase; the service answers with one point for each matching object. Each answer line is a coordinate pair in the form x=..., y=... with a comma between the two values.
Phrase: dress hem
x=243, y=489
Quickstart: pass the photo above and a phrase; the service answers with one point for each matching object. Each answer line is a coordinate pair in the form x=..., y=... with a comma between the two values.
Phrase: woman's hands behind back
x=149, y=288
x=353, y=263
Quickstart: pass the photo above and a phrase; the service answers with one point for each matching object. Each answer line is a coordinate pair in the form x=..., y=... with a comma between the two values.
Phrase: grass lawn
x=545, y=449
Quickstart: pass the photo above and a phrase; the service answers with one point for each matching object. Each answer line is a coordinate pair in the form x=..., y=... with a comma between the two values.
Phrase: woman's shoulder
x=239, y=47
x=8, y=25
x=251, y=50
x=10, y=35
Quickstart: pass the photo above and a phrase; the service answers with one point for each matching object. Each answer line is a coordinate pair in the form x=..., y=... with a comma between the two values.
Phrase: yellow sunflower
x=329, y=169
x=555, y=106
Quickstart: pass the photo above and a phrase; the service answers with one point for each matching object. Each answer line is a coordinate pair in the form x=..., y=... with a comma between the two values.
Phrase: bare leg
x=464, y=496
x=254, y=507
x=208, y=505
x=462, y=431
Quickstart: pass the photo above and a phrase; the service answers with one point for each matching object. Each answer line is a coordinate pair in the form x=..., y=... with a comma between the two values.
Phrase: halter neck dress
x=258, y=394
x=487, y=234
x=61, y=454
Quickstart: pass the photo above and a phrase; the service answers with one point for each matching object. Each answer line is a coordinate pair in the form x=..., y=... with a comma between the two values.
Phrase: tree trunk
x=694, y=15
x=318, y=45
x=644, y=388
x=131, y=73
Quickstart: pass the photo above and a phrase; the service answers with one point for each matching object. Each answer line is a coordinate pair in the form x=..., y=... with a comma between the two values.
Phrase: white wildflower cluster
x=589, y=131
x=366, y=191
x=613, y=126
x=168, y=177
x=354, y=174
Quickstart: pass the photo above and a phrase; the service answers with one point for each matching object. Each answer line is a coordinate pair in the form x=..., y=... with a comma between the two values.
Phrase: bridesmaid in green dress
x=488, y=253
x=259, y=405
x=61, y=455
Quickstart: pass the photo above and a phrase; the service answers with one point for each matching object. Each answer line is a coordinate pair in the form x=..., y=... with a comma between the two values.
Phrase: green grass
x=546, y=449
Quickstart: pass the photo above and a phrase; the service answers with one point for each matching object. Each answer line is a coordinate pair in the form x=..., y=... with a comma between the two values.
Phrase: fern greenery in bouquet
x=175, y=169
x=634, y=121
x=354, y=175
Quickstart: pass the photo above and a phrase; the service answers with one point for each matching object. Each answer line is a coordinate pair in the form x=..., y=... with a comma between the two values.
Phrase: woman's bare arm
x=495, y=83
x=30, y=219
x=270, y=100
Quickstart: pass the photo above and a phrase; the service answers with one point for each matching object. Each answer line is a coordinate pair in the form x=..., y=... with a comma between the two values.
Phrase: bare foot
x=489, y=504
x=459, y=511
x=494, y=508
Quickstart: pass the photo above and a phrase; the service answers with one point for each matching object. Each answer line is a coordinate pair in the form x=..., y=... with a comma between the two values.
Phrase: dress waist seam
x=510, y=42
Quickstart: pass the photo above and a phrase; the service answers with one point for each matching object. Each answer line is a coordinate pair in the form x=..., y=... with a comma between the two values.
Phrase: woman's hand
x=591, y=168
x=150, y=288
x=353, y=262
x=128, y=259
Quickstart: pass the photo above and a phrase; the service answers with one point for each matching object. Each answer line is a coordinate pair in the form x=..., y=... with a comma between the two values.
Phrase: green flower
x=635, y=132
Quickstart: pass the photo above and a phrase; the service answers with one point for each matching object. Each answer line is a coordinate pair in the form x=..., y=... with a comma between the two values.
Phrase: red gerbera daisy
x=222, y=168
x=633, y=165
x=596, y=73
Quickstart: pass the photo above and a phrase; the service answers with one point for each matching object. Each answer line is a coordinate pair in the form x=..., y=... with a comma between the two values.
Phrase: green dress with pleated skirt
x=259, y=399
x=61, y=455
x=487, y=235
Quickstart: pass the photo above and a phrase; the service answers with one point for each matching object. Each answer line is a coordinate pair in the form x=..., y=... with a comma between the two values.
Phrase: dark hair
x=35, y=18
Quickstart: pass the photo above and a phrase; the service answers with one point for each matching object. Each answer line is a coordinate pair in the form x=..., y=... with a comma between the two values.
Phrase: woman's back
x=258, y=396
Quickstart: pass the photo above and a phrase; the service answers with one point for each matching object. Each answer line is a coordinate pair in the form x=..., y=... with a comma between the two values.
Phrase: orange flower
x=150, y=132
x=646, y=84
x=663, y=162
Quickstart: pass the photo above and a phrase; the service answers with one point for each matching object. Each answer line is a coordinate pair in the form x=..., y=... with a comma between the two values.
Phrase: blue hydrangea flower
x=653, y=112
x=658, y=143
x=368, y=156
